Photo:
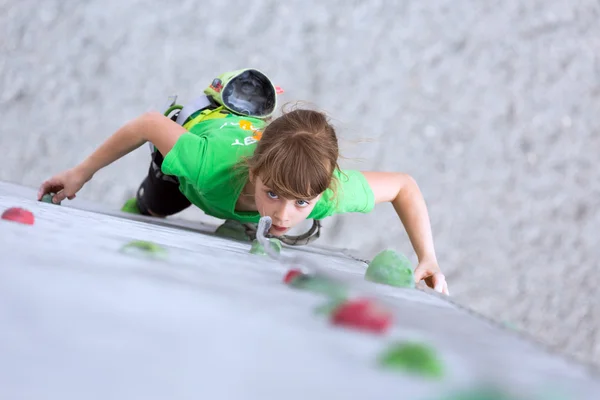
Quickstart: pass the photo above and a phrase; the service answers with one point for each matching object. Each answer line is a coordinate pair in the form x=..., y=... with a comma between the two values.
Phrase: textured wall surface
x=492, y=108
x=208, y=320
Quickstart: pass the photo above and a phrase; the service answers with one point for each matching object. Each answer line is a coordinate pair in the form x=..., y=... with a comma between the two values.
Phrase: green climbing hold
x=131, y=207
x=391, y=268
x=257, y=247
x=231, y=229
x=47, y=198
x=414, y=358
x=318, y=284
x=511, y=326
x=144, y=248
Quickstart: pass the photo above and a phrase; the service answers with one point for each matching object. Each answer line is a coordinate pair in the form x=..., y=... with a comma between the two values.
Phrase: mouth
x=279, y=229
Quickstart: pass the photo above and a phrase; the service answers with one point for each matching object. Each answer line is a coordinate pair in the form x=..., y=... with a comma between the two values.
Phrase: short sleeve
x=185, y=158
x=352, y=194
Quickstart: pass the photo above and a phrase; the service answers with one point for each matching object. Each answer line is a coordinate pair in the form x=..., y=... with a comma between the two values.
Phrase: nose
x=282, y=213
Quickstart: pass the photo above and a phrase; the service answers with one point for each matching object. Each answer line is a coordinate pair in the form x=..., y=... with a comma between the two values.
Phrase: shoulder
x=350, y=192
x=229, y=141
x=214, y=150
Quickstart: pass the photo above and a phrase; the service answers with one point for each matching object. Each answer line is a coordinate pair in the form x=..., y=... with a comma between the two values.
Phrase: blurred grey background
x=492, y=106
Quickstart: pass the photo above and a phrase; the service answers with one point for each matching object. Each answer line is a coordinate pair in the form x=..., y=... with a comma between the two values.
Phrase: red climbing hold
x=291, y=274
x=17, y=214
x=362, y=314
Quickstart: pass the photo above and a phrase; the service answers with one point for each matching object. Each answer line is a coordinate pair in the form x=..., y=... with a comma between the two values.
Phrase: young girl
x=241, y=168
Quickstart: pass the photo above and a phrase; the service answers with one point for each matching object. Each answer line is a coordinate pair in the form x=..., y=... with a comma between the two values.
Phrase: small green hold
x=317, y=284
x=131, y=207
x=144, y=248
x=47, y=198
x=258, y=248
x=391, y=268
x=231, y=229
x=414, y=358
x=510, y=325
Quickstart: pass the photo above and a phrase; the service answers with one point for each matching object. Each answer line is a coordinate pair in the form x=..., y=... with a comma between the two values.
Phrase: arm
x=152, y=127
x=149, y=127
x=403, y=192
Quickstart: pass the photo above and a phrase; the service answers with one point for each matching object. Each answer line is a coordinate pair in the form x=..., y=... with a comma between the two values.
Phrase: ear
x=251, y=176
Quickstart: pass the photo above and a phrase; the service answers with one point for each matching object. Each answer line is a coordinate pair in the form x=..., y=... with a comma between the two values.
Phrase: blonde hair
x=297, y=155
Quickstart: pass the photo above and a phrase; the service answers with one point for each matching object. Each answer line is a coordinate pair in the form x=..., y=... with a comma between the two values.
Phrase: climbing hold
x=258, y=248
x=144, y=248
x=19, y=215
x=415, y=358
x=131, y=207
x=319, y=284
x=232, y=230
x=47, y=198
x=511, y=326
x=291, y=275
x=363, y=314
x=391, y=268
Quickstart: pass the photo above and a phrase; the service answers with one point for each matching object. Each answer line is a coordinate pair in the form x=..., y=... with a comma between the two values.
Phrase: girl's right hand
x=65, y=184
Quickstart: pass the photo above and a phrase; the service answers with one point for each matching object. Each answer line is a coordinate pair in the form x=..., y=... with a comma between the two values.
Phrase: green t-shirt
x=206, y=160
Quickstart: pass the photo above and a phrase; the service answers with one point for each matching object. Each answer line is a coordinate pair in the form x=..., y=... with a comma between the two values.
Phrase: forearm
x=412, y=210
x=122, y=142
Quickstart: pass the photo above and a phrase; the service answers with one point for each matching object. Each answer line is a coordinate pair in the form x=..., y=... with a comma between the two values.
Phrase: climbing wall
x=96, y=304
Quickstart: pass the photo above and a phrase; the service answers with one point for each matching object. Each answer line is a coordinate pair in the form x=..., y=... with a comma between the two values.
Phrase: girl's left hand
x=431, y=273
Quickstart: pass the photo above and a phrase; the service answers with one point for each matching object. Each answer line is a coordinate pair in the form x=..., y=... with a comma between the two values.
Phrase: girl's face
x=285, y=213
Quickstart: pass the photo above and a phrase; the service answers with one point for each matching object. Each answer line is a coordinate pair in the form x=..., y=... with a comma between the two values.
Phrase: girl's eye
x=271, y=194
x=302, y=203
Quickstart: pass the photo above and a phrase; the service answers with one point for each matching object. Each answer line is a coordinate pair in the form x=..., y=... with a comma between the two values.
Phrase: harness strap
x=197, y=104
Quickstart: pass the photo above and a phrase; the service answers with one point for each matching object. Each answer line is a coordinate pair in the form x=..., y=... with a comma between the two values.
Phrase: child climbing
x=224, y=155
